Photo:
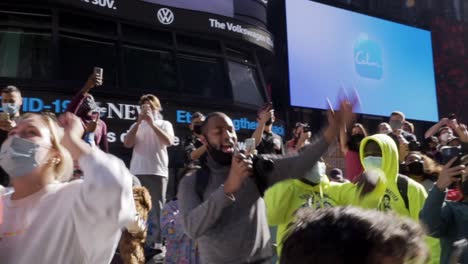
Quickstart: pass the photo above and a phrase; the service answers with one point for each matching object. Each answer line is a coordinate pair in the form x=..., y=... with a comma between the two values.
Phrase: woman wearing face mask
x=422, y=169
x=350, y=148
x=49, y=220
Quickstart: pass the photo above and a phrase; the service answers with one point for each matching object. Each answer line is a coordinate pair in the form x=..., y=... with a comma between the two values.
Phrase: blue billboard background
x=389, y=64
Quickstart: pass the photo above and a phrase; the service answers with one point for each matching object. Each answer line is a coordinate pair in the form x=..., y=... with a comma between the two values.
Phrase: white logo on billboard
x=102, y=3
x=165, y=16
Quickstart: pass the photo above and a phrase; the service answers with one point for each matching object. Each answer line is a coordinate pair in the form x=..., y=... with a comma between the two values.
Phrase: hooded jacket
x=286, y=197
x=391, y=199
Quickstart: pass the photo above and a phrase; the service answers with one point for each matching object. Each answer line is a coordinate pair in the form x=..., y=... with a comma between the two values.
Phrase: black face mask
x=269, y=122
x=197, y=129
x=355, y=142
x=416, y=168
x=219, y=156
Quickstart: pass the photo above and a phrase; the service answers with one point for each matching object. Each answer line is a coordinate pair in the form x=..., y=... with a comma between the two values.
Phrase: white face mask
x=10, y=108
x=444, y=137
x=19, y=156
x=372, y=162
x=315, y=174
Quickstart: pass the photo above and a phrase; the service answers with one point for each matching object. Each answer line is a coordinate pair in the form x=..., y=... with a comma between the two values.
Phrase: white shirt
x=76, y=222
x=149, y=153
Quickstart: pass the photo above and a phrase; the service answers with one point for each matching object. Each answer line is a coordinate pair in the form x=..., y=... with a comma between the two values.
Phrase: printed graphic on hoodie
x=313, y=200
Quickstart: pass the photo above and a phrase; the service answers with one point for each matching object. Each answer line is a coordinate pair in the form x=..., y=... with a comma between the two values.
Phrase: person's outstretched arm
x=264, y=116
x=435, y=128
x=74, y=105
x=104, y=202
x=296, y=165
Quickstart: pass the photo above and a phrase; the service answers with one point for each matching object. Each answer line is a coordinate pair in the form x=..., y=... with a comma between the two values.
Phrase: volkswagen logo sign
x=165, y=16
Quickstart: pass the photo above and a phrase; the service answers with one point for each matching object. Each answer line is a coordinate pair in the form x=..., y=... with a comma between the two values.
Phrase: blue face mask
x=10, y=108
x=315, y=174
x=19, y=156
x=372, y=162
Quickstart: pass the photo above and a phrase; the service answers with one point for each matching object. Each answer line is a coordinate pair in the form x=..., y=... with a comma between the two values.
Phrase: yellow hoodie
x=286, y=197
x=391, y=199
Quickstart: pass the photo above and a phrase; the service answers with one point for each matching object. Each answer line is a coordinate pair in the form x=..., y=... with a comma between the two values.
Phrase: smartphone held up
x=4, y=116
x=99, y=75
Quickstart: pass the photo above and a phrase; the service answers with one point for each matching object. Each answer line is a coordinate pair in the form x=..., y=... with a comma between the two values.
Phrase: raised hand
x=344, y=116
x=73, y=129
x=266, y=114
x=340, y=119
x=73, y=133
x=94, y=80
x=446, y=176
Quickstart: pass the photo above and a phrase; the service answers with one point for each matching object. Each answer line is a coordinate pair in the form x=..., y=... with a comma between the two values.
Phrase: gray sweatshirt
x=447, y=221
x=236, y=231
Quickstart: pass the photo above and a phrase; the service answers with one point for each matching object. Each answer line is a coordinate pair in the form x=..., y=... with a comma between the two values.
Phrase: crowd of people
x=65, y=199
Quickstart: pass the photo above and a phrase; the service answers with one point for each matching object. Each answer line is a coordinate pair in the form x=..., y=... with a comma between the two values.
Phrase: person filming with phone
x=149, y=137
x=221, y=204
x=267, y=141
x=84, y=106
x=11, y=105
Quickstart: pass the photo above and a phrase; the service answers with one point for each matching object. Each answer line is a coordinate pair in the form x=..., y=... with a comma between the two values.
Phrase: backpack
x=402, y=184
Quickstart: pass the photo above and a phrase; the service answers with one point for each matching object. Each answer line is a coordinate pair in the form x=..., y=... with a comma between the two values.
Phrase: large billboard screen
x=389, y=64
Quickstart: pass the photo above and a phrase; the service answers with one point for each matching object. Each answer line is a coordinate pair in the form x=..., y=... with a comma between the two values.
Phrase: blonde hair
x=153, y=101
x=63, y=169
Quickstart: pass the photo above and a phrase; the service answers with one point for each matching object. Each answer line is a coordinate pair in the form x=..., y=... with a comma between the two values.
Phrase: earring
x=54, y=161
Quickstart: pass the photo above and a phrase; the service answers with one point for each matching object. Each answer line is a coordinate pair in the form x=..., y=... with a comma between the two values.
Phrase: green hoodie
x=285, y=198
x=391, y=199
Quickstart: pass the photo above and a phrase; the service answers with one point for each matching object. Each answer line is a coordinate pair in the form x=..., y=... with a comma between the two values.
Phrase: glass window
x=149, y=70
x=25, y=17
x=78, y=57
x=244, y=84
x=25, y=54
x=146, y=36
x=238, y=53
x=87, y=25
x=197, y=44
x=203, y=76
